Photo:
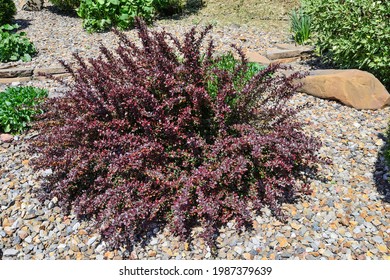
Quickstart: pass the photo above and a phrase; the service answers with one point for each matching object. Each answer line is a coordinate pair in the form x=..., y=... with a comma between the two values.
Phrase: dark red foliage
x=139, y=140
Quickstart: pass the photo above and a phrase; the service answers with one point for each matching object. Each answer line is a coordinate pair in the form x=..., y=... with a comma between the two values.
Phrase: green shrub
x=100, y=15
x=353, y=34
x=228, y=63
x=168, y=7
x=14, y=46
x=18, y=106
x=300, y=26
x=7, y=11
x=66, y=5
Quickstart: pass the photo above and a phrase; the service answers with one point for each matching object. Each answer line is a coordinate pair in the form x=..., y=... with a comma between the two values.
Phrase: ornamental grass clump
x=300, y=26
x=138, y=140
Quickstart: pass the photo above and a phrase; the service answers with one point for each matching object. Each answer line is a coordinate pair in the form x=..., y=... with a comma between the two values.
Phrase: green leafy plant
x=353, y=34
x=66, y=5
x=7, y=11
x=100, y=15
x=14, y=46
x=228, y=63
x=300, y=26
x=17, y=107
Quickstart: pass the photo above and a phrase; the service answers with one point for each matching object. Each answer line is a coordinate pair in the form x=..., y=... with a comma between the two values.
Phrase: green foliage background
x=7, y=11
x=353, y=33
x=66, y=5
x=100, y=15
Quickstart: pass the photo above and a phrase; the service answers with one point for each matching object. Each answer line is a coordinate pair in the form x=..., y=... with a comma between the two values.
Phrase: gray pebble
x=10, y=253
x=91, y=240
x=377, y=239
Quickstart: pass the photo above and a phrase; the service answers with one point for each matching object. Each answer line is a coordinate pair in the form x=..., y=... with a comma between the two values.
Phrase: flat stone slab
x=275, y=53
x=10, y=74
x=49, y=71
x=14, y=80
x=8, y=65
x=294, y=47
x=258, y=58
x=286, y=60
x=41, y=78
x=16, y=72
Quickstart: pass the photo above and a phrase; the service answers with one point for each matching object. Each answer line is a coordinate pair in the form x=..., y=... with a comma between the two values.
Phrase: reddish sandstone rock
x=355, y=88
x=258, y=58
x=6, y=138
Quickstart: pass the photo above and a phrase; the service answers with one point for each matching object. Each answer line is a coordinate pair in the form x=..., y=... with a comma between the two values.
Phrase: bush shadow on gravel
x=23, y=23
x=190, y=8
x=57, y=11
x=317, y=62
x=381, y=182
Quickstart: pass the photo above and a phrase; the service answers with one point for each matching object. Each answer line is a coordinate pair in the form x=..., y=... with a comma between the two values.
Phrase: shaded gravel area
x=346, y=217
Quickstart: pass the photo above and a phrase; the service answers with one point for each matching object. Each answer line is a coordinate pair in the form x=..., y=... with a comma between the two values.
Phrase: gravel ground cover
x=346, y=217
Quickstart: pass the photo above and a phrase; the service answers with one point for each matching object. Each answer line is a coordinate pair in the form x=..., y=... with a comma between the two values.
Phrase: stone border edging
x=13, y=74
x=281, y=53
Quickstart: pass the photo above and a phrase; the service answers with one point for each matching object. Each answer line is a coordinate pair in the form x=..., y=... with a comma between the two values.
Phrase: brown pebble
x=133, y=255
x=109, y=255
x=248, y=256
x=22, y=234
x=9, y=231
x=74, y=247
x=353, y=223
x=82, y=232
x=6, y=223
x=347, y=244
x=360, y=235
x=295, y=226
x=344, y=221
x=382, y=248
x=282, y=242
x=152, y=253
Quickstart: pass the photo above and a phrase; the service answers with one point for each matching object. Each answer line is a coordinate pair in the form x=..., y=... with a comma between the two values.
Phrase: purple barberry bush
x=138, y=139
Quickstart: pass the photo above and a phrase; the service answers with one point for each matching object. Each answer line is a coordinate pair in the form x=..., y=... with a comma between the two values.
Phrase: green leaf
x=124, y=17
x=26, y=57
x=8, y=27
